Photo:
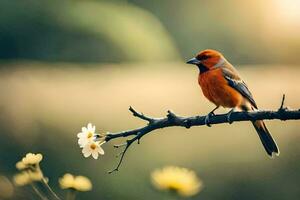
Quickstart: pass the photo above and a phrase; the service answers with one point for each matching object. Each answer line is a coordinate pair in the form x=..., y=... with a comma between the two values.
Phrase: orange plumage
x=215, y=88
x=222, y=85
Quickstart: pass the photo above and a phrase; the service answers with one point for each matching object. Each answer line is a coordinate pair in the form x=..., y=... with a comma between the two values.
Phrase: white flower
x=21, y=179
x=20, y=165
x=183, y=181
x=79, y=183
x=90, y=141
x=86, y=135
x=25, y=177
x=67, y=181
x=82, y=183
x=31, y=159
x=93, y=148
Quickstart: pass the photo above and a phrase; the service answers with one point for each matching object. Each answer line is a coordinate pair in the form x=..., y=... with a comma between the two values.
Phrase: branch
x=171, y=120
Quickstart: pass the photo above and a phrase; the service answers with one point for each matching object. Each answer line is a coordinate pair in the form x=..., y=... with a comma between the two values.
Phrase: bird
x=222, y=85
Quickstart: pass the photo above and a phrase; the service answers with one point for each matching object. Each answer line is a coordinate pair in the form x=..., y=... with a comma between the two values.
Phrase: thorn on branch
x=282, y=108
x=171, y=115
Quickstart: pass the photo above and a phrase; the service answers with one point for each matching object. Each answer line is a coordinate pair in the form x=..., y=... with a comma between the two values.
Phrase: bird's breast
x=216, y=89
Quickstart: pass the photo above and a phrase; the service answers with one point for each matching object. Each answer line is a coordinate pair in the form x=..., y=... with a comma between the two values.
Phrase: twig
x=140, y=115
x=129, y=142
x=282, y=103
x=171, y=120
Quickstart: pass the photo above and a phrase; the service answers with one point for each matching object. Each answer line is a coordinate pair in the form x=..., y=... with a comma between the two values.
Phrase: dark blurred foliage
x=81, y=31
x=141, y=30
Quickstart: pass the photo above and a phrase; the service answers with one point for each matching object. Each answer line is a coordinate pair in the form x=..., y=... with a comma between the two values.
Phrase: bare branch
x=172, y=120
x=140, y=115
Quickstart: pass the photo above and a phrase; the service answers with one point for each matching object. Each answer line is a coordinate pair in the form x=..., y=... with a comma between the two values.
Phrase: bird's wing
x=238, y=84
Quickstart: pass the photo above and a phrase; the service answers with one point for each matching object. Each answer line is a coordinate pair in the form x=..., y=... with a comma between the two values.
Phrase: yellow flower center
x=93, y=146
x=90, y=134
x=175, y=187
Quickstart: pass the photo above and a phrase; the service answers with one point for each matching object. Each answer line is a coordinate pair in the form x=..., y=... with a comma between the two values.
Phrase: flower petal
x=95, y=154
x=84, y=129
x=81, y=144
x=86, y=152
x=79, y=135
x=100, y=151
x=89, y=126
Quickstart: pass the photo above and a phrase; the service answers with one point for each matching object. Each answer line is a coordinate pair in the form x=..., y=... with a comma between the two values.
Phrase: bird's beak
x=193, y=61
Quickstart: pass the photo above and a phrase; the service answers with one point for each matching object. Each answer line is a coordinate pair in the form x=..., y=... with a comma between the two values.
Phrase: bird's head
x=207, y=59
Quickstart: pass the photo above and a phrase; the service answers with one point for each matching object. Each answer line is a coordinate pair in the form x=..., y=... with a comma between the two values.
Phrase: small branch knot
x=187, y=123
x=171, y=115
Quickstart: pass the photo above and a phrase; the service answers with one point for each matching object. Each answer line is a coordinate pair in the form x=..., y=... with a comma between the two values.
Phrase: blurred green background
x=69, y=62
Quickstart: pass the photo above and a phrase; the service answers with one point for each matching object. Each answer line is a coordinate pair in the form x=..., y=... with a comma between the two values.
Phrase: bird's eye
x=203, y=57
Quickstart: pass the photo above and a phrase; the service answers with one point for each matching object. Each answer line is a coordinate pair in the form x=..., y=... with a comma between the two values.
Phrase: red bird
x=222, y=85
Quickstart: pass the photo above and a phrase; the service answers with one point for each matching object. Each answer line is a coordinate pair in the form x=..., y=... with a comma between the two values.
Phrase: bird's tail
x=266, y=138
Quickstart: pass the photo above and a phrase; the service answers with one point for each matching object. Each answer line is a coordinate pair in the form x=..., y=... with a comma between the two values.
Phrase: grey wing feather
x=235, y=82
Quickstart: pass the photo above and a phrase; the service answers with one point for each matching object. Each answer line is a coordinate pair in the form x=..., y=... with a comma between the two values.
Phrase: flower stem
x=71, y=195
x=44, y=181
x=38, y=192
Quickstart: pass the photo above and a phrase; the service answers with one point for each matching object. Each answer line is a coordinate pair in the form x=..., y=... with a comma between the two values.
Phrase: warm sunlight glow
x=289, y=11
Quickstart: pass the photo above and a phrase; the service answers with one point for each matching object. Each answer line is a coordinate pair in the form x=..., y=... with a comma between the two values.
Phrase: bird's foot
x=207, y=118
x=229, y=116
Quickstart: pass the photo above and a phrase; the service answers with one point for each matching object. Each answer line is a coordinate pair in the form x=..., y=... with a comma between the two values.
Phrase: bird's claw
x=207, y=119
x=229, y=116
